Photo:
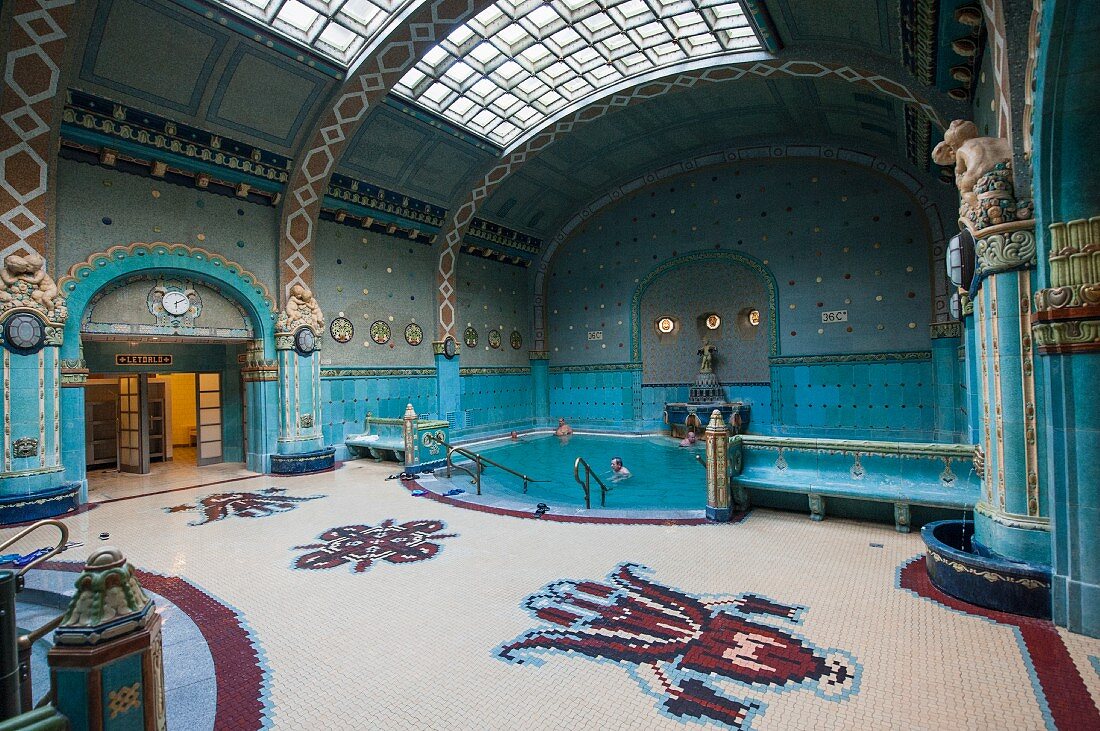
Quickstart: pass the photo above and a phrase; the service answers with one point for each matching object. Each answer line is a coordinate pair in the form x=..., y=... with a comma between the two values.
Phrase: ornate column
x=1011, y=518
x=300, y=447
x=106, y=665
x=33, y=480
x=718, y=476
x=971, y=363
x=261, y=390
x=540, y=386
x=448, y=382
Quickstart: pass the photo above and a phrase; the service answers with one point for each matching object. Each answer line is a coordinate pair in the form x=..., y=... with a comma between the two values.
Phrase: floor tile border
x=1058, y=685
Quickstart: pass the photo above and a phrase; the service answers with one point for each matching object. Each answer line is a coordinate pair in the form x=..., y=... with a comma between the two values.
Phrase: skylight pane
x=339, y=30
x=533, y=59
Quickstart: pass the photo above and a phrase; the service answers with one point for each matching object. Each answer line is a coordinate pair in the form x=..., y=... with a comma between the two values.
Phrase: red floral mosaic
x=363, y=545
x=260, y=504
x=683, y=649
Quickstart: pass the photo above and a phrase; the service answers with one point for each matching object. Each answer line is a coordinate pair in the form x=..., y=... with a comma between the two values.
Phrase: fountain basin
x=966, y=570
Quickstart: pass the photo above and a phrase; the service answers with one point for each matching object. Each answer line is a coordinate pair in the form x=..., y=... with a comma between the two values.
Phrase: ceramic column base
x=45, y=504
x=303, y=463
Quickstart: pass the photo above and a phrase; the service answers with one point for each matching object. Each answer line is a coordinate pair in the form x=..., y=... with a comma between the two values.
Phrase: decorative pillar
x=300, y=447
x=945, y=378
x=540, y=386
x=261, y=386
x=718, y=477
x=971, y=363
x=1066, y=327
x=408, y=432
x=106, y=665
x=1011, y=519
x=448, y=382
x=33, y=476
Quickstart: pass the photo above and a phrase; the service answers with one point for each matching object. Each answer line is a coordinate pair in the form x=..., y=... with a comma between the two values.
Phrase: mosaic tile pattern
x=221, y=505
x=342, y=651
x=364, y=545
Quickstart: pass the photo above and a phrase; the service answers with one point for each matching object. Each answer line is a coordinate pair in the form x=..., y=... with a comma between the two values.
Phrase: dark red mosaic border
x=1070, y=703
x=237, y=671
x=411, y=485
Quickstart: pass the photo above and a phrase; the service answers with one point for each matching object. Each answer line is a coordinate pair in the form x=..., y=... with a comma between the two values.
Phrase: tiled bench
x=384, y=439
x=902, y=473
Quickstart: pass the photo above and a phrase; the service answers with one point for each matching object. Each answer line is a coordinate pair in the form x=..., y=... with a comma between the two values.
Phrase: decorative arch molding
x=459, y=220
x=875, y=163
x=410, y=36
x=86, y=279
x=696, y=257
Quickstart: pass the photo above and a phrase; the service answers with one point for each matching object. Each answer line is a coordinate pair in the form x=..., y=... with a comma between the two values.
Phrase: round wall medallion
x=516, y=340
x=666, y=325
x=414, y=334
x=754, y=317
x=713, y=322
x=24, y=333
x=305, y=340
x=341, y=329
x=494, y=338
x=470, y=337
x=380, y=332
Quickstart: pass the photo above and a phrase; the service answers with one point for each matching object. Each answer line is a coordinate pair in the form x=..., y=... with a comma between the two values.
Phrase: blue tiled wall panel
x=345, y=401
x=495, y=402
x=893, y=400
x=593, y=398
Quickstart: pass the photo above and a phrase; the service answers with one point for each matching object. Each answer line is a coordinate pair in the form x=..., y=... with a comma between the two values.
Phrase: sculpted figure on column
x=301, y=309
x=983, y=175
x=25, y=283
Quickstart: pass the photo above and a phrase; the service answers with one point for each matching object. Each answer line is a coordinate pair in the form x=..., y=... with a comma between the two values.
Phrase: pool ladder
x=589, y=474
x=479, y=465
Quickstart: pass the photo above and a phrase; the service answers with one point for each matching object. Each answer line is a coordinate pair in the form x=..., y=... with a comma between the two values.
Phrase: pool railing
x=479, y=465
x=585, y=484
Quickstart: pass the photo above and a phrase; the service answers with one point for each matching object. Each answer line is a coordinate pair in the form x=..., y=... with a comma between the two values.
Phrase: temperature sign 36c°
x=835, y=316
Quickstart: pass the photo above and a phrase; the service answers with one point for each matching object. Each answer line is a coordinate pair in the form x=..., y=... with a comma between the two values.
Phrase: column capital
x=1067, y=317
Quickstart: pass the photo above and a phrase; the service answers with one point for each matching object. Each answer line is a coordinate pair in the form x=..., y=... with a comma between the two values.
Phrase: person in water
x=619, y=471
x=689, y=440
x=515, y=436
x=563, y=429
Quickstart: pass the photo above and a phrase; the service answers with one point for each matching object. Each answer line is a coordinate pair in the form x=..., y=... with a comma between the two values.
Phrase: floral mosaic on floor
x=260, y=504
x=364, y=545
x=683, y=649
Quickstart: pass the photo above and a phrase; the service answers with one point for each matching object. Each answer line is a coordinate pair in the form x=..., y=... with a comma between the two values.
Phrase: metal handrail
x=588, y=474
x=13, y=700
x=480, y=461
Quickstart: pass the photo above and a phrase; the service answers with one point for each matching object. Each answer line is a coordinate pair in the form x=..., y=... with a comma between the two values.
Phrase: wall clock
x=24, y=333
x=449, y=349
x=175, y=302
x=305, y=341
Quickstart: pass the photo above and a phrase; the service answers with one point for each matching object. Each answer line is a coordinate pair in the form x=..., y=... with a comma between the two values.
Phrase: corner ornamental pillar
x=540, y=386
x=300, y=448
x=107, y=662
x=448, y=382
x=718, y=476
x=993, y=260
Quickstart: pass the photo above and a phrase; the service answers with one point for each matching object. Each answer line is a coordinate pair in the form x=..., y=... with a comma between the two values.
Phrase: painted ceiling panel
x=154, y=53
x=871, y=24
x=265, y=96
x=443, y=172
x=384, y=146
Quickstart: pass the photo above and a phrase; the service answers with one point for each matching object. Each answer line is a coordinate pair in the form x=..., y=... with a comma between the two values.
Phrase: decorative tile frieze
x=908, y=357
x=939, y=330
x=1067, y=319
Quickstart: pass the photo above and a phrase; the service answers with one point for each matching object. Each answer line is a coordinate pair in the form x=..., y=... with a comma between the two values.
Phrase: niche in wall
x=136, y=306
x=721, y=291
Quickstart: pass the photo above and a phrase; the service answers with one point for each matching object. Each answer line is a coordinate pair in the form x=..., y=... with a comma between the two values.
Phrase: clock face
x=305, y=341
x=176, y=303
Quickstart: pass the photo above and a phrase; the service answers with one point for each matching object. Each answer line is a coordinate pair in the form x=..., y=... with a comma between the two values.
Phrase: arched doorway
x=157, y=330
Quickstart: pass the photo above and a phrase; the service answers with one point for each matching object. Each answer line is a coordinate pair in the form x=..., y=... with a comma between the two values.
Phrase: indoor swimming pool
x=664, y=476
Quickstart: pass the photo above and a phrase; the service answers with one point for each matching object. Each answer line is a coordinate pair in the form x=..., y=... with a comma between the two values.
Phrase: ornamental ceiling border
x=746, y=153
x=36, y=39
x=411, y=36
x=459, y=221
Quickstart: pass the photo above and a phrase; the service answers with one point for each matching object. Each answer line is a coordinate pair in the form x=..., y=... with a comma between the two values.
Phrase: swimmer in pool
x=619, y=472
x=689, y=440
x=563, y=429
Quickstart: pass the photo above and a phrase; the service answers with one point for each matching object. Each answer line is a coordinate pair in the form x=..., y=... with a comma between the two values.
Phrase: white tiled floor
x=415, y=644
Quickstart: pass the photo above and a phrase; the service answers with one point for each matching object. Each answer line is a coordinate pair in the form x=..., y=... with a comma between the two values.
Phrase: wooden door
x=133, y=425
x=208, y=392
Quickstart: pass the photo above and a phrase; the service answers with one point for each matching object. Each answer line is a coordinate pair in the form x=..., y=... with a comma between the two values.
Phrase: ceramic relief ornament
x=26, y=287
x=174, y=304
x=301, y=310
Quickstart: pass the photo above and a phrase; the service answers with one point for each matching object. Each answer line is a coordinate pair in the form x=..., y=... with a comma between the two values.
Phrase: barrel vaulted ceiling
x=237, y=70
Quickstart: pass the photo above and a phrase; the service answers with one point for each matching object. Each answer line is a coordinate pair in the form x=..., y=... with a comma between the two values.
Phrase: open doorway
x=133, y=422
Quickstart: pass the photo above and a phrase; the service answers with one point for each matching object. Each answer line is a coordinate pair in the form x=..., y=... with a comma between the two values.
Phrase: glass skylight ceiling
x=336, y=29
x=520, y=62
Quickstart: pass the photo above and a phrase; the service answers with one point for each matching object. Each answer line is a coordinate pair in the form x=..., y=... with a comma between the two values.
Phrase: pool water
x=663, y=475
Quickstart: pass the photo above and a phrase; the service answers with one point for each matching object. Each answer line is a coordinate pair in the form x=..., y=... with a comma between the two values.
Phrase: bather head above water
x=563, y=429
x=689, y=440
x=618, y=470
